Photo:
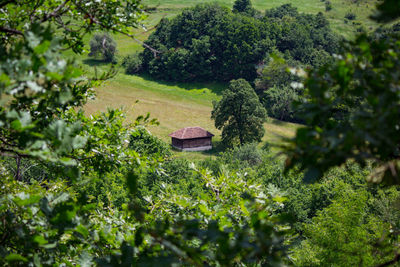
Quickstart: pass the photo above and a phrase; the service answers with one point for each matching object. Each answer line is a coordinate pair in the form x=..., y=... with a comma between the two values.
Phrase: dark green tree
x=239, y=114
x=209, y=42
x=345, y=234
x=278, y=87
x=242, y=6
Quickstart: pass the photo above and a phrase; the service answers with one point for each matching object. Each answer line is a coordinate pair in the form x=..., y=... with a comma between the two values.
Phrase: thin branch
x=18, y=172
x=7, y=143
x=146, y=45
x=11, y=153
x=9, y=30
x=393, y=261
x=31, y=15
x=55, y=12
x=62, y=24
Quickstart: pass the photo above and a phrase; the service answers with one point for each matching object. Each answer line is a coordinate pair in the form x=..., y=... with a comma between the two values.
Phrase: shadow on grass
x=216, y=87
x=216, y=149
x=277, y=122
x=287, y=124
x=93, y=62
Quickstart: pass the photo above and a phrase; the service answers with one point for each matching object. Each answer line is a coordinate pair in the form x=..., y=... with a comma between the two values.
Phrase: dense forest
x=210, y=42
x=102, y=190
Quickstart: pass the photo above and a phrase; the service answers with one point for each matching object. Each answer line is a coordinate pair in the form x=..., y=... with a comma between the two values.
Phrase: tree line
x=210, y=42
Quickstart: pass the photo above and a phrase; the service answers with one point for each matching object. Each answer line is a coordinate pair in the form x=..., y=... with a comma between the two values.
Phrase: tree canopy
x=239, y=114
x=210, y=42
x=95, y=190
x=242, y=6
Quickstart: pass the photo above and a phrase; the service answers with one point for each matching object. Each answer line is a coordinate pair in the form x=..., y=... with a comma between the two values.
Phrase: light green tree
x=345, y=234
x=103, y=45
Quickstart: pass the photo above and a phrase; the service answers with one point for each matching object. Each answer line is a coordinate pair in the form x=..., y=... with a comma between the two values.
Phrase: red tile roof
x=190, y=133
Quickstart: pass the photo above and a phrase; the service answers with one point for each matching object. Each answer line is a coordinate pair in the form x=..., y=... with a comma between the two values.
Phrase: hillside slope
x=180, y=105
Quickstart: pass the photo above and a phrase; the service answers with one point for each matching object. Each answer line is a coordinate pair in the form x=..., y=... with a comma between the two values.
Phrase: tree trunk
x=17, y=173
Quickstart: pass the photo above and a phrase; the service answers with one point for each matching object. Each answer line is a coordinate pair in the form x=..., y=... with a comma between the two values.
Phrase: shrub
x=146, y=144
x=248, y=155
x=328, y=6
x=103, y=45
x=132, y=63
x=350, y=16
x=278, y=102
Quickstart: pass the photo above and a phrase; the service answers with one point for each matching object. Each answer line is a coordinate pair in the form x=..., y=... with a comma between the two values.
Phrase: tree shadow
x=94, y=62
x=216, y=87
x=217, y=147
x=277, y=122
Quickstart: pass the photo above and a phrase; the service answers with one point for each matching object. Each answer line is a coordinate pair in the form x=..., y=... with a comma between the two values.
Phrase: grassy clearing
x=178, y=105
x=174, y=106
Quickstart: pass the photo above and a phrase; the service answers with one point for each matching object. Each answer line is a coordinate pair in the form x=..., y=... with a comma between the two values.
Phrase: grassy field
x=178, y=105
x=174, y=105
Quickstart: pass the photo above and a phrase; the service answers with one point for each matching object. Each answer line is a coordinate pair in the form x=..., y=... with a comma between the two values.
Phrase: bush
x=146, y=144
x=278, y=102
x=350, y=16
x=248, y=155
x=132, y=63
x=176, y=172
x=328, y=6
x=103, y=45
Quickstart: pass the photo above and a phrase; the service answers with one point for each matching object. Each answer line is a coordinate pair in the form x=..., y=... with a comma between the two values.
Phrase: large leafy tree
x=364, y=80
x=239, y=114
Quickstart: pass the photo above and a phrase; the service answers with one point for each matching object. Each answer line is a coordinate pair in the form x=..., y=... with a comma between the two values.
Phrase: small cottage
x=192, y=139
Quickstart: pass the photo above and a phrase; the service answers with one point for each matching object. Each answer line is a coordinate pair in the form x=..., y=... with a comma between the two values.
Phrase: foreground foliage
x=78, y=190
x=365, y=80
x=70, y=215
